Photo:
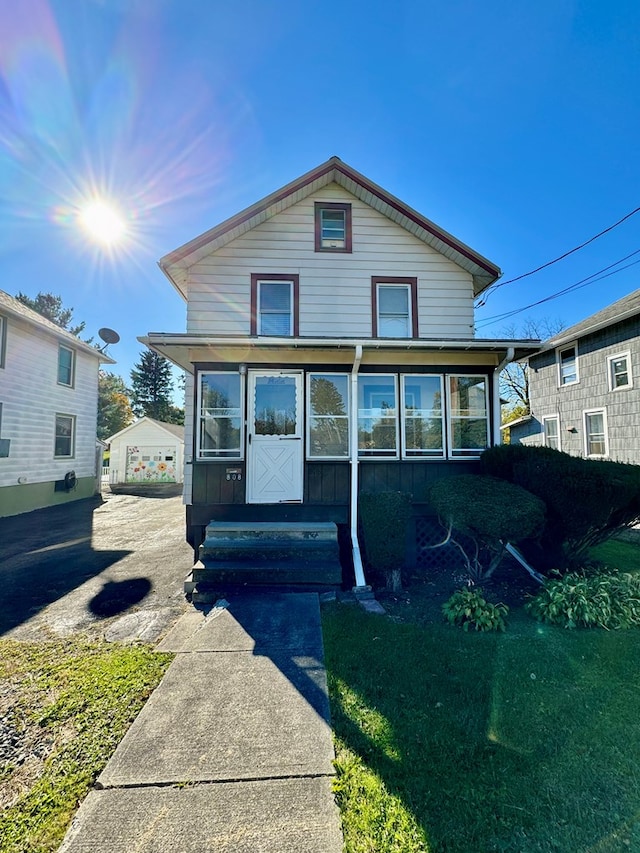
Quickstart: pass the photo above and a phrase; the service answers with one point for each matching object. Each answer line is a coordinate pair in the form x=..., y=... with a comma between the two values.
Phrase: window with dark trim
x=275, y=309
x=66, y=366
x=65, y=436
x=332, y=227
x=394, y=307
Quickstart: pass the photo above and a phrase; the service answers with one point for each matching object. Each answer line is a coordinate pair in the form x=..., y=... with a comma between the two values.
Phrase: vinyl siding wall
x=31, y=397
x=335, y=288
x=591, y=392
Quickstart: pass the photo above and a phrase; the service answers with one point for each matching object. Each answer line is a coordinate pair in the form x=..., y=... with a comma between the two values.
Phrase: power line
x=500, y=284
x=590, y=279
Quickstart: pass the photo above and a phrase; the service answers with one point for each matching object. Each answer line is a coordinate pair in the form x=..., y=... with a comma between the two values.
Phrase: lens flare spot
x=103, y=222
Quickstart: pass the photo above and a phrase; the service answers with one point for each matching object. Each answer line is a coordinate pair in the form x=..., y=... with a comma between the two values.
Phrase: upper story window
x=66, y=366
x=220, y=415
x=596, y=439
x=394, y=307
x=551, y=431
x=332, y=227
x=65, y=436
x=619, y=370
x=568, y=365
x=3, y=338
x=274, y=305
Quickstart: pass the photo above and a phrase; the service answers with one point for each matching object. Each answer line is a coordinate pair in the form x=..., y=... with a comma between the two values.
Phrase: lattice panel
x=429, y=532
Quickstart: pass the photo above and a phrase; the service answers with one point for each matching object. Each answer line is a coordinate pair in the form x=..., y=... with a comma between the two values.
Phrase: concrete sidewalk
x=233, y=750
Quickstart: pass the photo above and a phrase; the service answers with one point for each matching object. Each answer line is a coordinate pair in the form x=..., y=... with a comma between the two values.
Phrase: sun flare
x=103, y=222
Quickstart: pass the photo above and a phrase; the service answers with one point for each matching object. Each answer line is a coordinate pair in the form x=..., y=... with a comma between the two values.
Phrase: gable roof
x=11, y=306
x=175, y=264
x=175, y=429
x=628, y=306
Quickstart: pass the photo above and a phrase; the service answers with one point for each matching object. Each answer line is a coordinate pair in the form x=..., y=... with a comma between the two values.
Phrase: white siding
x=143, y=434
x=335, y=289
x=31, y=398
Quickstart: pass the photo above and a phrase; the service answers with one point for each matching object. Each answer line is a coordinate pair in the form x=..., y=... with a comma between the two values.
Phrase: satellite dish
x=109, y=336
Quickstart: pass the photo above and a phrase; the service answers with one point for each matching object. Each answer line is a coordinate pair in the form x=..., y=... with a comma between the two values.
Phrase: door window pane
x=275, y=405
x=377, y=416
x=220, y=415
x=328, y=415
x=423, y=416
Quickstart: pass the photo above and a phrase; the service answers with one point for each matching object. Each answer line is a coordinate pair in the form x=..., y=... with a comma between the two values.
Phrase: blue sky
x=513, y=125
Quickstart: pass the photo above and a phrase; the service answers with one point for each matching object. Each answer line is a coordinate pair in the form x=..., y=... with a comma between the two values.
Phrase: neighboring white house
x=147, y=451
x=48, y=411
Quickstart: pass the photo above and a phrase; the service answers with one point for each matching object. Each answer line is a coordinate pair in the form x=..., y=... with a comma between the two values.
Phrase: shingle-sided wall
x=592, y=392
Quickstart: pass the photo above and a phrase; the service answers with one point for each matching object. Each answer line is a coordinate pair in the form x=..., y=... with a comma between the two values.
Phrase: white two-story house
x=48, y=411
x=329, y=350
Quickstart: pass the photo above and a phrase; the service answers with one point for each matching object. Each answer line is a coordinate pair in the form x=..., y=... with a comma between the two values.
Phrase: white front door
x=274, y=437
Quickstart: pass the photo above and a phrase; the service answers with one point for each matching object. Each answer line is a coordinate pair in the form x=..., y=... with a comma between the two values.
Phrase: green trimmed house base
x=29, y=496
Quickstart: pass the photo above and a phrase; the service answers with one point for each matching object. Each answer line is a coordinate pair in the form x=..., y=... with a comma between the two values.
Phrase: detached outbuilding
x=147, y=452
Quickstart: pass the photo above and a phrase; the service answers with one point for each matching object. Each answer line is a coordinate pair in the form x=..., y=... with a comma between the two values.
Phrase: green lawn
x=527, y=741
x=65, y=704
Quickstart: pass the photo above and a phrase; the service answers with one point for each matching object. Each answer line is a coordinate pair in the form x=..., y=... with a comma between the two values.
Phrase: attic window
x=332, y=227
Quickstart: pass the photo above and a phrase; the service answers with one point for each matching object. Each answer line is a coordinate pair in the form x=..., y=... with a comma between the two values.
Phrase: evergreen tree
x=114, y=407
x=50, y=306
x=151, y=387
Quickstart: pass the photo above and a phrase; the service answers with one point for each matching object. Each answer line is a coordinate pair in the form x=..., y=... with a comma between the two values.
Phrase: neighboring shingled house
x=584, y=387
x=48, y=412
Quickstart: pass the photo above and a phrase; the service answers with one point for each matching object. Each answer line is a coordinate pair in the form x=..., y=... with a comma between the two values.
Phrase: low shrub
x=604, y=599
x=491, y=511
x=385, y=519
x=470, y=609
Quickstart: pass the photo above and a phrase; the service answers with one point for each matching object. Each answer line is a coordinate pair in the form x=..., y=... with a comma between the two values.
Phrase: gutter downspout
x=497, y=434
x=361, y=584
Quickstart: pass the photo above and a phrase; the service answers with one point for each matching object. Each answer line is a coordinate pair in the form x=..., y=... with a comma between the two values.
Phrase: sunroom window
x=468, y=415
x=422, y=416
x=328, y=407
x=220, y=415
x=377, y=416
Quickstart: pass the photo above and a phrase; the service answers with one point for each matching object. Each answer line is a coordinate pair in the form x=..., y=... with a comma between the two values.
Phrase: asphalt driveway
x=112, y=566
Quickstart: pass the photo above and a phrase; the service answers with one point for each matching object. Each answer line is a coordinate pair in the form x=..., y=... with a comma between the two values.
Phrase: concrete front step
x=268, y=554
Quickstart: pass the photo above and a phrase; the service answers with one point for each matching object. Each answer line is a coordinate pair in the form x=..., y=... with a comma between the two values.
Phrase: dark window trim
x=327, y=205
x=385, y=279
x=257, y=277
